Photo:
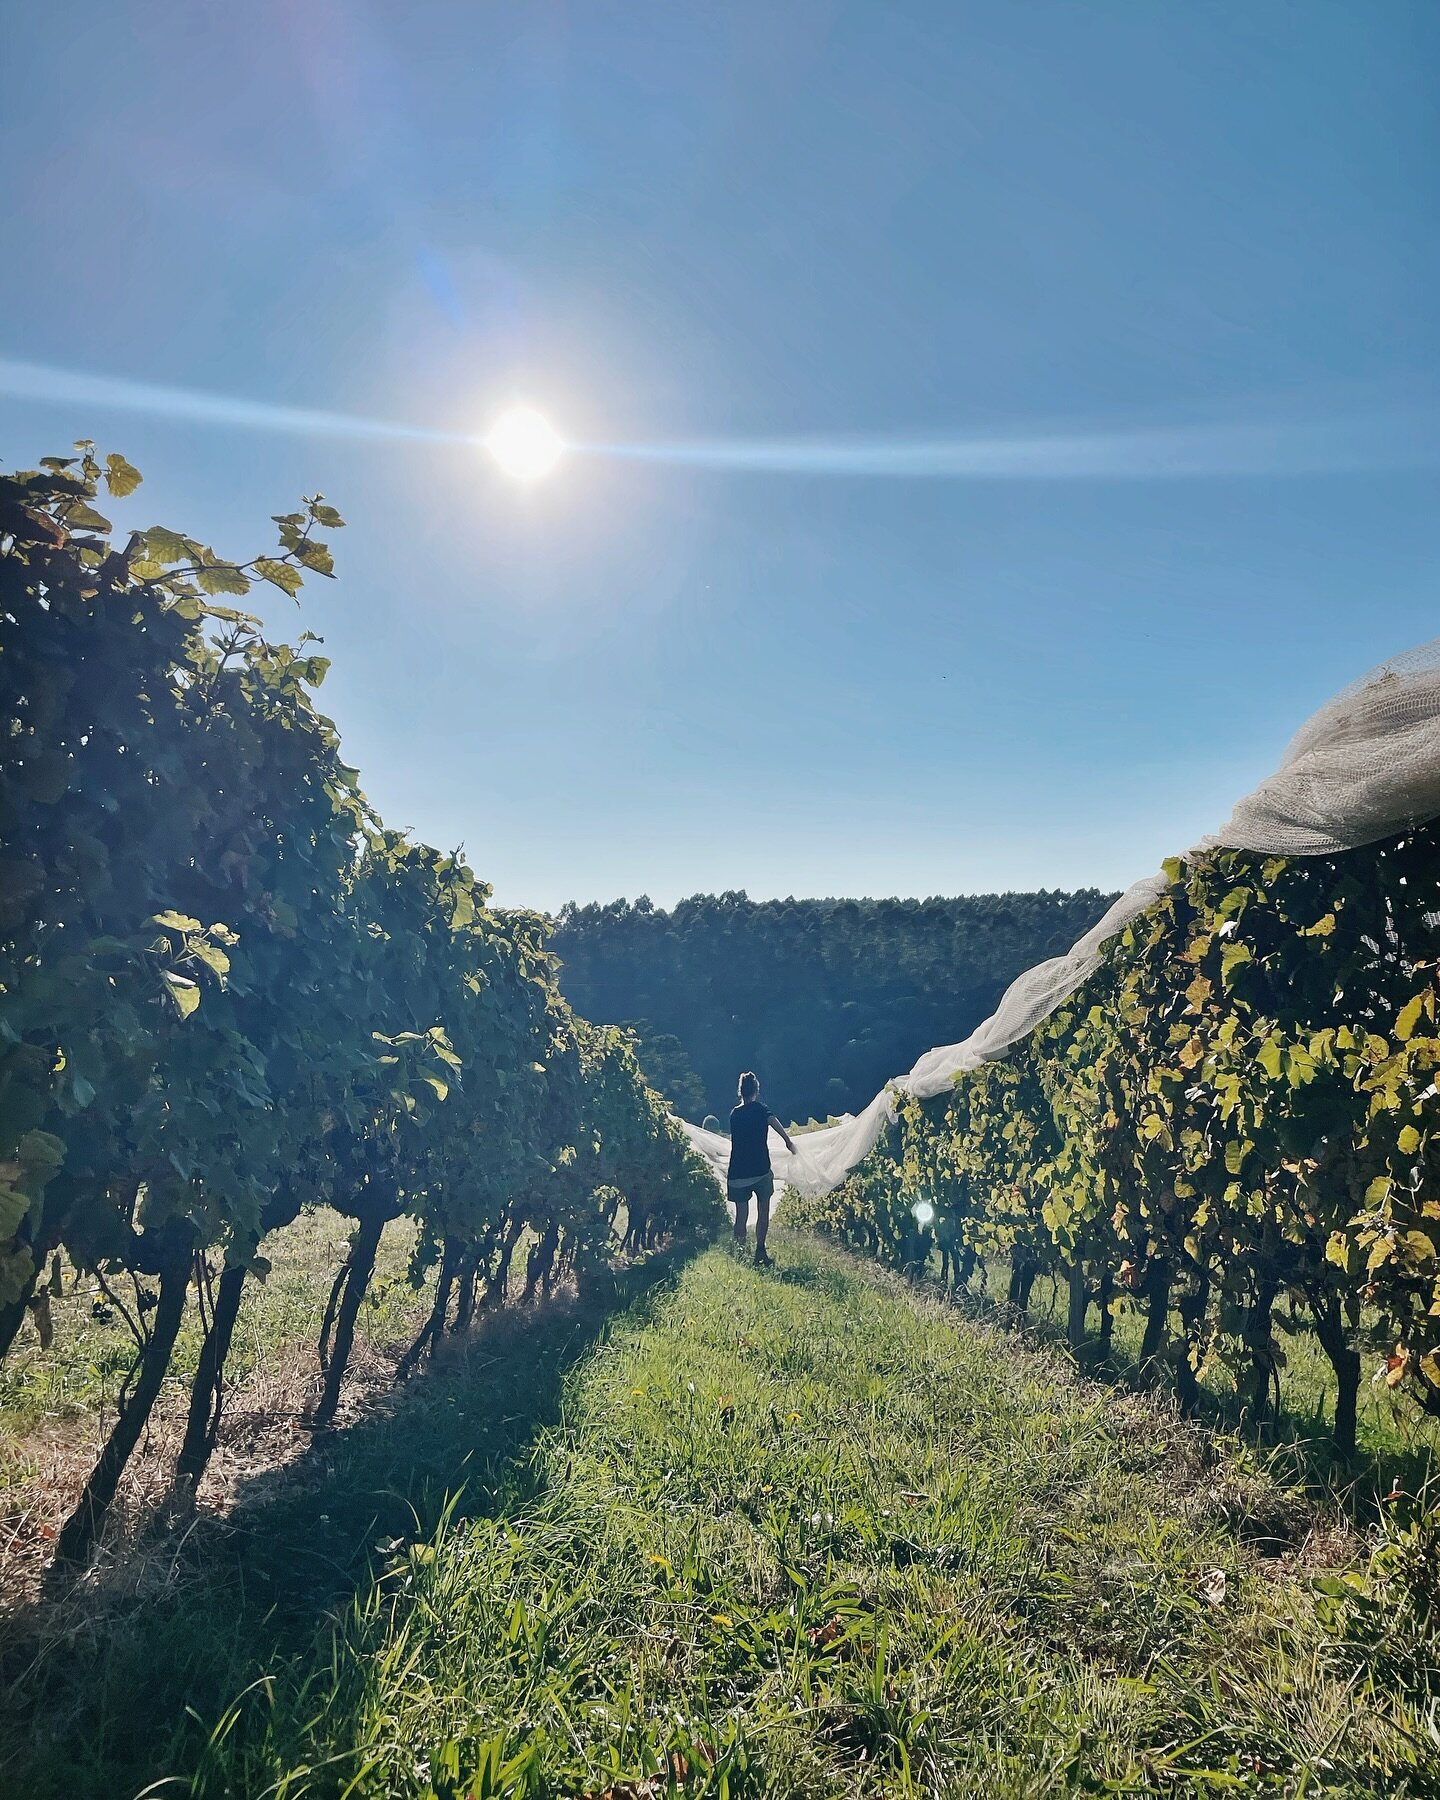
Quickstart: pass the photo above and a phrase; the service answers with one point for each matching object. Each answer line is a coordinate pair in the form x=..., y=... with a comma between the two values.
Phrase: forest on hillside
x=826, y=999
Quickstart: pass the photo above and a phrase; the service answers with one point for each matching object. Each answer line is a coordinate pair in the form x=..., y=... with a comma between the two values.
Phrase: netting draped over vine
x=1362, y=768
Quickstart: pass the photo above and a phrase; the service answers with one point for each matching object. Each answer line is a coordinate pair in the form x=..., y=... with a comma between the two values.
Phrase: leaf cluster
x=227, y=990
x=1235, y=1117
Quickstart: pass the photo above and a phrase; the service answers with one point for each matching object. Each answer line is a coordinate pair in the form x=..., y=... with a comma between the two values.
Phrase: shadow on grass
x=1297, y=1446
x=825, y=1280
x=132, y=1692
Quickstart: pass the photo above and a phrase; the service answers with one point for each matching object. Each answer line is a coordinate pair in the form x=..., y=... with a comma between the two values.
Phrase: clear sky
x=1065, y=378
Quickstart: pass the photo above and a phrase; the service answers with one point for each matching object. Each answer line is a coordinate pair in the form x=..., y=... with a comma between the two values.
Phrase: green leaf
x=41, y=1153
x=165, y=546
x=174, y=921
x=317, y=557
x=1299, y=1066
x=121, y=477
x=184, y=992
x=1410, y=1016
x=13, y=1207
x=1409, y=1141
x=86, y=518
x=223, y=578
x=211, y=955
x=283, y=575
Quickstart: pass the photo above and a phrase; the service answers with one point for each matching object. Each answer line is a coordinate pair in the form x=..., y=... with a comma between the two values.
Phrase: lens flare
x=524, y=443
x=924, y=1213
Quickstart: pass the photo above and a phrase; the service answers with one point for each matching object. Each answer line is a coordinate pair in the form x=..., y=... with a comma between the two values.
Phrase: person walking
x=749, y=1173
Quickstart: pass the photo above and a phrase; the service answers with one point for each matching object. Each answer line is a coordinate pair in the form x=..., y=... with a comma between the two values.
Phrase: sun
x=524, y=443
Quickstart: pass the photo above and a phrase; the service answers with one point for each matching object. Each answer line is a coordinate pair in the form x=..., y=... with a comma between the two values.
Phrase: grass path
x=809, y=1534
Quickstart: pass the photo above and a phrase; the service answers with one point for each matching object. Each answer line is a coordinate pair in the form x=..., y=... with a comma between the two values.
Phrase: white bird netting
x=1364, y=767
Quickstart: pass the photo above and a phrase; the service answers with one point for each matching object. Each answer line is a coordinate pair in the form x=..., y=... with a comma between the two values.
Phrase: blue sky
x=1103, y=230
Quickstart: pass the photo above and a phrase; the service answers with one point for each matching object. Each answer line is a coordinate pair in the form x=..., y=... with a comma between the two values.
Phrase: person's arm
x=775, y=1125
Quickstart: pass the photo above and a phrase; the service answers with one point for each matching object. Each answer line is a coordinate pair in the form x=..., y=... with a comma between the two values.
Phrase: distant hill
x=826, y=999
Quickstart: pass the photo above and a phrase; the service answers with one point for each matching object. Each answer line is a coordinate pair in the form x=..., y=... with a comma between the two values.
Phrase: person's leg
x=740, y=1198
x=764, y=1193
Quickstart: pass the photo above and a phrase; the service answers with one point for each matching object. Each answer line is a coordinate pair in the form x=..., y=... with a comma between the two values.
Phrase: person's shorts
x=761, y=1186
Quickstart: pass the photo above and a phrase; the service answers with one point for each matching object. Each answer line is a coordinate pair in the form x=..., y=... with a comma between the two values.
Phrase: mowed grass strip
x=808, y=1533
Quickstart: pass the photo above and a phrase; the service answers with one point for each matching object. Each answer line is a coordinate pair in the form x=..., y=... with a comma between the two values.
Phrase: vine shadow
x=1296, y=1445
x=133, y=1696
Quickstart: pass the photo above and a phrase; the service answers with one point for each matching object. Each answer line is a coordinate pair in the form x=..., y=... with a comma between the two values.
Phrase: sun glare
x=524, y=443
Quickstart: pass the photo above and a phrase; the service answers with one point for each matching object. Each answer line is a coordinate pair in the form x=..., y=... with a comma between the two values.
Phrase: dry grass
x=181, y=1610
x=47, y=1452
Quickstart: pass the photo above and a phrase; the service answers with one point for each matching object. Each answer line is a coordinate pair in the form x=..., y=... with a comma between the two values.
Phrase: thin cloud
x=38, y=381
x=1362, y=442
x=1390, y=438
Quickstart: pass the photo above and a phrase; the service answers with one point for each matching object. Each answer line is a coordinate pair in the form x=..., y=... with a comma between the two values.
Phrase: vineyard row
x=228, y=992
x=1232, y=1126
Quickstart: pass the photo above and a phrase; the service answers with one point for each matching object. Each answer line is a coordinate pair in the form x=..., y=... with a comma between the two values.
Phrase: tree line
x=1232, y=1126
x=228, y=992
x=827, y=999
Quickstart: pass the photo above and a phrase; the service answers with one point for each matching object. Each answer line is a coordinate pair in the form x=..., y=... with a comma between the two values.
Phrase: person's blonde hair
x=749, y=1086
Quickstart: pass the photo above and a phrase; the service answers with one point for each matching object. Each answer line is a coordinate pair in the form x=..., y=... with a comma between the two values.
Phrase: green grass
x=117, y=1684
x=78, y=1377
x=799, y=1534
x=1396, y=1442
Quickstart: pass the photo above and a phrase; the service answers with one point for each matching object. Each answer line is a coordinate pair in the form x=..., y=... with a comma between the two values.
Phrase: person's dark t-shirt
x=750, y=1141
